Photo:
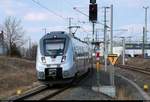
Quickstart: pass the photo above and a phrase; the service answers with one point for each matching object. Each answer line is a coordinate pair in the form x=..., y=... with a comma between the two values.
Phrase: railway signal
x=92, y=1
x=98, y=66
x=93, y=12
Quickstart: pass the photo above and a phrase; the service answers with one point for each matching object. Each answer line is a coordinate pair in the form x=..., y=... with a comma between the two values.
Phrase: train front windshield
x=54, y=47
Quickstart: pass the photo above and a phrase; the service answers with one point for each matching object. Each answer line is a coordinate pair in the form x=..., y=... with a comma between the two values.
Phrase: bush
x=15, y=51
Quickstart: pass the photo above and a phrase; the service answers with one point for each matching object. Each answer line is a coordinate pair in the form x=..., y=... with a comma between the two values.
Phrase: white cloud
x=48, y=29
x=21, y=4
x=13, y=7
x=134, y=30
x=10, y=12
x=36, y=16
x=37, y=32
x=42, y=16
x=33, y=30
x=7, y=6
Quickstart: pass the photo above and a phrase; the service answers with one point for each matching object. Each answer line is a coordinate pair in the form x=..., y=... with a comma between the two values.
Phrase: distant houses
x=3, y=46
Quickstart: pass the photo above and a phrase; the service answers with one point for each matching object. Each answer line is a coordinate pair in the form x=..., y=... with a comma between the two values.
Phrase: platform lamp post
x=105, y=39
x=98, y=66
x=143, y=45
x=145, y=29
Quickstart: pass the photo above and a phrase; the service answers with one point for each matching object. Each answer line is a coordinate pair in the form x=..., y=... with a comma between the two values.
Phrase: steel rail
x=36, y=91
x=28, y=93
x=145, y=71
x=51, y=92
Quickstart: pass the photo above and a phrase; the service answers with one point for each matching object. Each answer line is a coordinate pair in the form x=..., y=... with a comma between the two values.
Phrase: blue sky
x=128, y=14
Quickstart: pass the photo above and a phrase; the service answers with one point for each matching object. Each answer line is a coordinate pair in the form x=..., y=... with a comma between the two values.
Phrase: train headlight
x=43, y=59
x=63, y=59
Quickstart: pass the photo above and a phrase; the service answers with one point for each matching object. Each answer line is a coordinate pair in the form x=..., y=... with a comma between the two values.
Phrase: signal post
x=98, y=66
x=93, y=19
x=112, y=59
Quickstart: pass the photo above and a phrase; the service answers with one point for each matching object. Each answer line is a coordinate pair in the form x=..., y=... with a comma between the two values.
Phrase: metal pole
x=69, y=25
x=123, y=54
x=146, y=23
x=112, y=75
x=111, y=31
x=98, y=69
x=93, y=31
x=93, y=47
x=96, y=35
x=105, y=41
x=145, y=26
x=143, y=48
x=45, y=30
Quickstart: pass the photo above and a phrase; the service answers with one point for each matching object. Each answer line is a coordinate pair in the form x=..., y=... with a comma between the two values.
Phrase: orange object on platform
x=97, y=66
x=112, y=58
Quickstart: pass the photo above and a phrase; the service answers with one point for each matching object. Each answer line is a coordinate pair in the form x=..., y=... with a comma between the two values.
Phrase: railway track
x=141, y=70
x=28, y=93
x=44, y=92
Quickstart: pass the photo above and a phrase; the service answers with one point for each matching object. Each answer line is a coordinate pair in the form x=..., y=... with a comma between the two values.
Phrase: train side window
x=75, y=50
x=82, y=51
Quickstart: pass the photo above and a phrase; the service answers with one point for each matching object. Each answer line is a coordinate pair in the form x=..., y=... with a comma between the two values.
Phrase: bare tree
x=33, y=51
x=13, y=33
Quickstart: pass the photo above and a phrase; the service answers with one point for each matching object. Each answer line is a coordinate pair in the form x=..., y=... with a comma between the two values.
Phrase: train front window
x=54, y=47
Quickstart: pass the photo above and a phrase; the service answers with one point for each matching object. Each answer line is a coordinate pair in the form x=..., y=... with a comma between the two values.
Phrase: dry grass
x=139, y=62
x=15, y=74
